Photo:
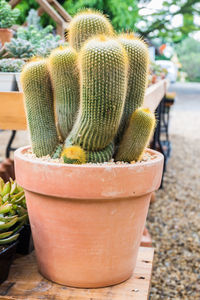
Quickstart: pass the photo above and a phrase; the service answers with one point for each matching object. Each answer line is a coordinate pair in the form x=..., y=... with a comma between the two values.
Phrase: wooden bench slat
x=25, y=282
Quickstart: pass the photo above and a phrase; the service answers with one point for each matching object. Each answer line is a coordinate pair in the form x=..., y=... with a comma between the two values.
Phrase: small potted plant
x=28, y=42
x=88, y=177
x=13, y=216
x=8, y=17
x=9, y=68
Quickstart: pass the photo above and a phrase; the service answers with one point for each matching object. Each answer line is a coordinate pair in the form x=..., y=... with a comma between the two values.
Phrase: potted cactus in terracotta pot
x=88, y=176
x=8, y=17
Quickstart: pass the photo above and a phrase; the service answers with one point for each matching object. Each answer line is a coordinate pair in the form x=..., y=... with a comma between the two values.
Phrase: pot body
x=5, y=35
x=8, y=82
x=87, y=220
x=6, y=259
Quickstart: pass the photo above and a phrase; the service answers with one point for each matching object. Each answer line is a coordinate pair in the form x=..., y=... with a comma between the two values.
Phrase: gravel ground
x=173, y=219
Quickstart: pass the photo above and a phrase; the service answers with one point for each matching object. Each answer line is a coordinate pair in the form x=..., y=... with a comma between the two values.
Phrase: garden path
x=174, y=219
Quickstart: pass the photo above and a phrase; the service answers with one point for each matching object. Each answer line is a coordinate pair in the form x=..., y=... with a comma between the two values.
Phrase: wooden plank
x=13, y=3
x=25, y=282
x=60, y=10
x=154, y=95
x=50, y=11
x=12, y=114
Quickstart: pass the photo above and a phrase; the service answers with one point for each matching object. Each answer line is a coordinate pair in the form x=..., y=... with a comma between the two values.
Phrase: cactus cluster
x=13, y=213
x=84, y=102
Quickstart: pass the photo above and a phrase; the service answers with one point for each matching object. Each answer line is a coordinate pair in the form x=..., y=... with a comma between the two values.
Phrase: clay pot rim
x=156, y=159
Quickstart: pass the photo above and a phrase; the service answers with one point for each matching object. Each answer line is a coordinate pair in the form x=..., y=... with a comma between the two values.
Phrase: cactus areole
x=84, y=108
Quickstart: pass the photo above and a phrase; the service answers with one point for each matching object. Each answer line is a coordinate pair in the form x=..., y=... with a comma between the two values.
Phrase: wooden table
x=25, y=282
x=12, y=113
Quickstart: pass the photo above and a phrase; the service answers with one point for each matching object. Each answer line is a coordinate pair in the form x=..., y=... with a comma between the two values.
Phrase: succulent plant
x=33, y=19
x=8, y=16
x=87, y=24
x=11, y=65
x=39, y=107
x=17, y=48
x=29, y=42
x=110, y=75
x=13, y=212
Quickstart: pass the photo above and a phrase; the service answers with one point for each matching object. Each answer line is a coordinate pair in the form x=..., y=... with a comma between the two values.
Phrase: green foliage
x=159, y=23
x=25, y=6
x=13, y=212
x=8, y=16
x=11, y=65
x=17, y=48
x=188, y=52
x=33, y=19
x=123, y=14
x=30, y=41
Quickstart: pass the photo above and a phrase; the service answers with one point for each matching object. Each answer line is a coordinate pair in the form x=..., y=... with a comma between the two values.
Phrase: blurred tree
x=188, y=53
x=173, y=22
x=123, y=14
x=127, y=15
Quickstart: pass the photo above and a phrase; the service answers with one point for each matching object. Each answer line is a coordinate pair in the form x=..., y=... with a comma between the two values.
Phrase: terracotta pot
x=5, y=35
x=87, y=220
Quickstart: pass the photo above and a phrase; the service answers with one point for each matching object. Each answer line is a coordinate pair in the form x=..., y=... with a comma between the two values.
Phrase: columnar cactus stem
x=137, y=136
x=65, y=81
x=38, y=93
x=138, y=57
x=86, y=24
x=103, y=67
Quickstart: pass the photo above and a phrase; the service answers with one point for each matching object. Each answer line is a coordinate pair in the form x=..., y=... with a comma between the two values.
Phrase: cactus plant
x=138, y=56
x=136, y=136
x=37, y=87
x=103, y=65
x=86, y=24
x=97, y=112
x=65, y=80
x=13, y=213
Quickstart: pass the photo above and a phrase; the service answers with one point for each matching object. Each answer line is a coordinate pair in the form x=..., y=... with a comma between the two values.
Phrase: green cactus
x=86, y=24
x=103, y=65
x=37, y=89
x=13, y=212
x=138, y=57
x=108, y=78
x=137, y=135
x=65, y=81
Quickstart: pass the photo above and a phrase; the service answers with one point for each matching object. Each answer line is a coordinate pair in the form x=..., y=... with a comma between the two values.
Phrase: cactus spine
x=37, y=89
x=86, y=24
x=138, y=57
x=103, y=67
x=65, y=81
x=137, y=136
